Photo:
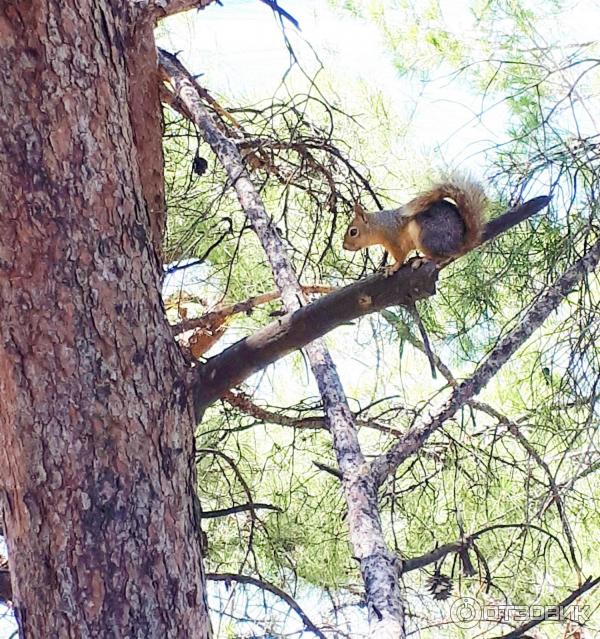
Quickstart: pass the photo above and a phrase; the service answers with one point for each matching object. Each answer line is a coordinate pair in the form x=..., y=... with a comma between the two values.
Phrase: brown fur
x=430, y=223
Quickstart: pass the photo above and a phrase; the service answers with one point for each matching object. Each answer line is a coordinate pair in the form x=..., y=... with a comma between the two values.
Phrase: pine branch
x=588, y=584
x=269, y=587
x=386, y=464
x=240, y=508
x=466, y=542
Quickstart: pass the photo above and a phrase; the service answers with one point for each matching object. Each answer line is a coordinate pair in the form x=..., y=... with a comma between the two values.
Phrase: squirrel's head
x=358, y=234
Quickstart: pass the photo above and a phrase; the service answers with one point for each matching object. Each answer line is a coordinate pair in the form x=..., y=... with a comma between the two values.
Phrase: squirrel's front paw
x=390, y=269
x=418, y=262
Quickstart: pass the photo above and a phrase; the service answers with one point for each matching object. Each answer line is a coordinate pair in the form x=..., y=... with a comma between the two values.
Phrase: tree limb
x=374, y=293
x=328, y=469
x=269, y=587
x=588, y=584
x=295, y=330
x=466, y=542
x=243, y=403
x=387, y=463
x=157, y=9
x=240, y=508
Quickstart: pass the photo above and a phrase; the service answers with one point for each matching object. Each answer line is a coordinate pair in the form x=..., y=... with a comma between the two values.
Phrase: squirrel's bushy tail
x=469, y=197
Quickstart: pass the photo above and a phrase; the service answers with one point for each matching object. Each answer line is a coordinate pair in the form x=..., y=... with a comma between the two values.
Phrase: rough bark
x=156, y=9
x=96, y=450
x=378, y=565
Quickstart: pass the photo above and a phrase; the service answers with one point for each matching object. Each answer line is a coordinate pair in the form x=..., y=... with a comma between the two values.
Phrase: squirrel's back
x=453, y=207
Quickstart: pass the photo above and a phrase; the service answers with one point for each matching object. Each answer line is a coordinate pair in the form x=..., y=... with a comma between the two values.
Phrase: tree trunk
x=96, y=449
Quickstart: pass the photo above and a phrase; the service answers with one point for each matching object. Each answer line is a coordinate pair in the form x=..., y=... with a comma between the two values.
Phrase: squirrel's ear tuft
x=360, y=212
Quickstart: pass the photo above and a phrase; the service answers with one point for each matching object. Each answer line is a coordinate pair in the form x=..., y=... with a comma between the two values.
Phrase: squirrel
x=444, y=222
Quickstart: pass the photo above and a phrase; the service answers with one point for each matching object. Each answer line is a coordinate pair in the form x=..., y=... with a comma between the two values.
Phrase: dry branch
x=377, y=563
x=269, y=587
x=464, y=543
x=387, y=463
x=295, y=330
x=245, y=405
x=214, y=318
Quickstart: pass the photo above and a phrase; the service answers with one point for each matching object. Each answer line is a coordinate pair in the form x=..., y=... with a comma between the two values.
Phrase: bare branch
x=214, y=318
x=435, y=555
x=295, y=330
x=515, y=216
x=269, y=587
x=387, y=463
x=588, y=584
x=328, y=469
x=157, y=9
x=243, y=403
x=466, y=542
x=223, y=512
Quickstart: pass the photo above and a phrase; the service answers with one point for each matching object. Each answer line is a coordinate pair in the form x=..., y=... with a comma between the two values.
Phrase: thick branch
x=269, y=587
x=157, y=9
x=295, y=330
x=374, y=293
x=387, y=463
x=502, y=223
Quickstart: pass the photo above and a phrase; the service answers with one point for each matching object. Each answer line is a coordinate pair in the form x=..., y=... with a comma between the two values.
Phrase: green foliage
x=476, y=473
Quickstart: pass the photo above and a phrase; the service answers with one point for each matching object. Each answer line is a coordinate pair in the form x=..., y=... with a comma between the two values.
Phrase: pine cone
x=440, y=586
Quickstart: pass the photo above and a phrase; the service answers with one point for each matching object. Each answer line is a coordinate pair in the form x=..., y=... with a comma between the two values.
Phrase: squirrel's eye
x=353, y=231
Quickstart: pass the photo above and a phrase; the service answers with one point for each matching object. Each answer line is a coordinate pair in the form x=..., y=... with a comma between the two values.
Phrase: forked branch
x=387, y=463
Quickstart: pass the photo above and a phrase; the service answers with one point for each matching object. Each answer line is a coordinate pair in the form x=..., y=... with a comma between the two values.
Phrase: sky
x=240, y=49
